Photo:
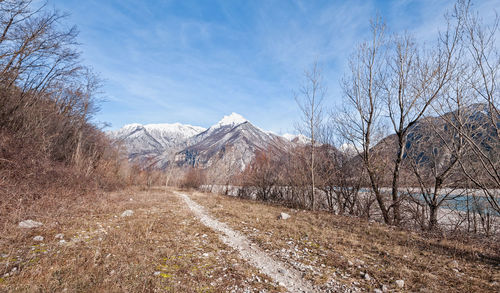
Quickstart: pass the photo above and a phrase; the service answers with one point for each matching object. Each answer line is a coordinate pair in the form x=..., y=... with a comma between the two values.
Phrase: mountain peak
x=231, y=120
x=297, y=138
x=130, y=127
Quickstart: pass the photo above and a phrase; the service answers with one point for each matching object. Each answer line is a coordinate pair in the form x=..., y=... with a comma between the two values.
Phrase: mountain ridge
x=229, y=144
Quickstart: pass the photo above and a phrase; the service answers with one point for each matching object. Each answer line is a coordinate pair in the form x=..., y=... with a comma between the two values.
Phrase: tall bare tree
x=360, y=124
x=483, y=166
x=415, y=80
x=310, y=100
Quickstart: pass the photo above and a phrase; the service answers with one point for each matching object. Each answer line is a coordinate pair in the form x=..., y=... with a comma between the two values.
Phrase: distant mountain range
x=230, y=144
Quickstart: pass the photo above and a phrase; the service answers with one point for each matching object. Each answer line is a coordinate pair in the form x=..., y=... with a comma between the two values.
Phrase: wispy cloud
x=195, y=61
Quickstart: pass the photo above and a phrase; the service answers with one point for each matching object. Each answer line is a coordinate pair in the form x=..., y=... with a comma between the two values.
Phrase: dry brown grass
x=325, y=246
x=160, y=248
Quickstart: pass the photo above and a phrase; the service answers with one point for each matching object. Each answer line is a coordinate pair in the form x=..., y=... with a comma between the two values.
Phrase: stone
x=38, y=238
x=127, y=213
x=384, y=288
x=59, y=236
x=349, y=263
x=29, y=224
x=400, y=283
x=283, y=216
x=367, y=277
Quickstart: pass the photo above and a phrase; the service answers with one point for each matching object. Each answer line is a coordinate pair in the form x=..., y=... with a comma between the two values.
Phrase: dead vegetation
x=325, y=247
x=160, y=248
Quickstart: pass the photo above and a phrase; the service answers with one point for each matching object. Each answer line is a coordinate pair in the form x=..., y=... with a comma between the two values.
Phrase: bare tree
x=310, y=100
x=433, y=158
x=45, y=92
x=360, y=124
x=262, y=174
x=35, y=53
x=484, y=167
x=415, y=80
x=338, y=178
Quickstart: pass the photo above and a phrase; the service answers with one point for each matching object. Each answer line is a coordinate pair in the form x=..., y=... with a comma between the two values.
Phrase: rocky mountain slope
x=229, y=145
x=148, y=142
x=431, y=140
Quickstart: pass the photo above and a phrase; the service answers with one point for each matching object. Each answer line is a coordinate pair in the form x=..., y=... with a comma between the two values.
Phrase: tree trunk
x=433, y=211
x=380, y=199
x=312, y=160
x=395, y=182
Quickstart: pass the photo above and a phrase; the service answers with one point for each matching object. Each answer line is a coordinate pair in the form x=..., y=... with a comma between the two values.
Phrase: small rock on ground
x=283, y=216
x=59, y=236
x=127, y=213
x=38, y=238
x=400, y=283
x=28, y=224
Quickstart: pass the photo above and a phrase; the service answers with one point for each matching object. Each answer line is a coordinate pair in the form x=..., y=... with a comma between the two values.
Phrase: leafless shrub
x=193, y=178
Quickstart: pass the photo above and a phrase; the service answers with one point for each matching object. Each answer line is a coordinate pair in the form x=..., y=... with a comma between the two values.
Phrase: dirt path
x=276, y=270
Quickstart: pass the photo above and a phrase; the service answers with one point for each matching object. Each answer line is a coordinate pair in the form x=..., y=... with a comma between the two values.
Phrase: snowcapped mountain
x=227, y=146
x=151, y=140
x=232, y=120
x=230, y=143
x=297, y=138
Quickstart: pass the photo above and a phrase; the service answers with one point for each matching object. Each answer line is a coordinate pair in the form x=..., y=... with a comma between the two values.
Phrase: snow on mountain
x=153, y=140
x=349, y=150
x=172, y=134
x=231, y=120
x=227, y=146
x=297, y=138
x=165, y=134
x=226, y=123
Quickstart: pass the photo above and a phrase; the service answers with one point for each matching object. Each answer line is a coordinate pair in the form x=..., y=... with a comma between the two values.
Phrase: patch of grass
x=162, y=247
x=324, y=246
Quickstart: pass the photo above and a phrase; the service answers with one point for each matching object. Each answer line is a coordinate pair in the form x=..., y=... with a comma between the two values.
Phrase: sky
x=194, y=61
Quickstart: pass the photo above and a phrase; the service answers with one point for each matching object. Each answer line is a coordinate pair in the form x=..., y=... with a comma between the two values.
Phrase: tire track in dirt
x=276, y=270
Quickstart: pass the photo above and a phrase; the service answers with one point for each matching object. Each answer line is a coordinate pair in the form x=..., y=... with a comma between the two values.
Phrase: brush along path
x=278, y=271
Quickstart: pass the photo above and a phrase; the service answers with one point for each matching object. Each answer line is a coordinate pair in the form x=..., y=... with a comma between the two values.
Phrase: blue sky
x=195, y=61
